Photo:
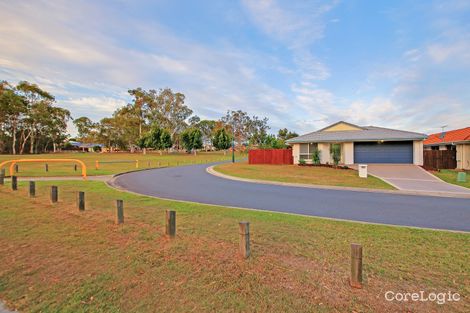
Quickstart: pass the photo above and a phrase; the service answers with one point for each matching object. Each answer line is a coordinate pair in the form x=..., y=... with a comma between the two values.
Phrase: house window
x=306, y=150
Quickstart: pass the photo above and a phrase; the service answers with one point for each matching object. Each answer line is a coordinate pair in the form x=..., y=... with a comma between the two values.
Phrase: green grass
x=55, y=259
x=302, y=175
x=149, y=160
x=450, y=176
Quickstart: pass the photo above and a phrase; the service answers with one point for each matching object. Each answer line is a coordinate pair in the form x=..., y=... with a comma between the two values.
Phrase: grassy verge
x=450, y=176
x=148, y=160
x=302, y=174
x=55, y=259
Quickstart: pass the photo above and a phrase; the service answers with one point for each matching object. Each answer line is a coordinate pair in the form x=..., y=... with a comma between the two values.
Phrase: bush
x=302, y=162
x=335, y=150
x=316, y=156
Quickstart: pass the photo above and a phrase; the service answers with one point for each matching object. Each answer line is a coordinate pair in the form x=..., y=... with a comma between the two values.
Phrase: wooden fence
x=440, y=159
x=270, y=156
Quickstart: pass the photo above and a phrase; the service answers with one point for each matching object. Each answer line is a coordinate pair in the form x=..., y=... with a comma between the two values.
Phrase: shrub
x=302, y=162
x=316, y=156
x=335, y=150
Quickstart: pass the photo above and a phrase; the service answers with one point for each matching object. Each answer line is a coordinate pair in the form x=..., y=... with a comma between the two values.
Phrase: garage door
x=385, y=152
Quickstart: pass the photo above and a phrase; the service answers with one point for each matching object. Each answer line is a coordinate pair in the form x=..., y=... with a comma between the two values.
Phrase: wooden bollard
x=356, y=265
x=158, y=163
x=54, y=194
x=46, y=167
x=81, y=201
x=32, y=189
x=14, y=183
x=148, y=163
x=2, y=176
x=17, y=168
x=170, y=229
x=75, y=167
x=119, y=212
x=245, y=249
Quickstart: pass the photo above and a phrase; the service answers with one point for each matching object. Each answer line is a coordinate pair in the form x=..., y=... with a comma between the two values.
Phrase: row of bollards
x=170, y=227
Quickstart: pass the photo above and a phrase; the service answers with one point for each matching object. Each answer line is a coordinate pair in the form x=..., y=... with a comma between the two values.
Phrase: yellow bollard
x=136, y=163
x=97, y=165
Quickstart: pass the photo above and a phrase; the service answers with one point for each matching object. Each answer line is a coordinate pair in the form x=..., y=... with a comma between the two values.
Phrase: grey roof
x=367, y=133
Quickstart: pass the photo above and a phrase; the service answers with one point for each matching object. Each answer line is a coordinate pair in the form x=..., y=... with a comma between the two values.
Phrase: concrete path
x=413, y=178
x=193, y=183
x=52, y=178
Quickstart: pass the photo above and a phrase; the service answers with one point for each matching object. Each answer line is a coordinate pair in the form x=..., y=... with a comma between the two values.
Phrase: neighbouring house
x=360, y=145
x=454, y=140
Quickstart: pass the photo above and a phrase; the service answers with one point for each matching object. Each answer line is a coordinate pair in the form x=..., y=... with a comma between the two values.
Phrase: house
x=360, y=144
x=458, y=140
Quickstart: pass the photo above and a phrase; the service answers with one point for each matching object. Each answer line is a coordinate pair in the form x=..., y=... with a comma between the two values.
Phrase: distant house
x=360, y=144
x=85, y=146
x=458, y=140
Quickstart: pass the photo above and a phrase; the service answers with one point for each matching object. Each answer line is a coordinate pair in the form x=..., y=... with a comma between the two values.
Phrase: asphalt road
x=192, y=183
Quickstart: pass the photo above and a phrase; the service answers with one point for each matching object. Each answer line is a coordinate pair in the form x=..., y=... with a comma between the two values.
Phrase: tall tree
x=13, y=106
x=34, y=96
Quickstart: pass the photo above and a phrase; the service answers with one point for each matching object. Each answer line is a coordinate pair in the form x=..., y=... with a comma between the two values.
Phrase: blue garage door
x=385, y=152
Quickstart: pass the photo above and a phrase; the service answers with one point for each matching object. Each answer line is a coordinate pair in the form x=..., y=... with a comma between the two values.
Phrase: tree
x=257, y=130
x=271, y=142
x=35, y=96
x=285, y=134
x=86, y=128
x=192, y=139
x=169, y=111
x=13, y=106
x=157, y=138
x=238, y=122
x=221, y=139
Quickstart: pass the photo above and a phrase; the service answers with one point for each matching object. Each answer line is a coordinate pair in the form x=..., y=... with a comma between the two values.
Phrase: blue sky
x=303, y=64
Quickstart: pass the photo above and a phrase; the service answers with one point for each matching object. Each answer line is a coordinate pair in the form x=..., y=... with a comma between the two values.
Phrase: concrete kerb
x=211, y=171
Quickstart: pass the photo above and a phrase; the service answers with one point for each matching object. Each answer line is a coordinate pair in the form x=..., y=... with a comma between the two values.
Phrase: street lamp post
x=233, y=144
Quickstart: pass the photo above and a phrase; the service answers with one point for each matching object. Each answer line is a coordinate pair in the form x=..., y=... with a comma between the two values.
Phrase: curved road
x=193, y=183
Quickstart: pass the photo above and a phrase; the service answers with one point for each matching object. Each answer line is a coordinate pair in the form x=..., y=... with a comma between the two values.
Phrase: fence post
x=54, y=194
x=148, y=163
x=75, y=167
x=244, y=247
x=46, y=167
x=17, y=168
x=119, y=211
x=32, y=189
x=81, y=201
x=170, y=229
x=158, y=163
x=356, y=265
x=2, y=176
x=14, y=182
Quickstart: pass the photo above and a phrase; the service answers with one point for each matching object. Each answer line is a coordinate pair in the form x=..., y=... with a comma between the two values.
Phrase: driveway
x=413, y=178
x=193, y=183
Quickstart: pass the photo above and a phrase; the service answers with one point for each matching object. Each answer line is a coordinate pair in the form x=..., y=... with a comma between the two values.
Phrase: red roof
x=451, y=136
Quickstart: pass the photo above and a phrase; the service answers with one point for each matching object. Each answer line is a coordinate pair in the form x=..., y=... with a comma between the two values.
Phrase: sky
x=303, y=64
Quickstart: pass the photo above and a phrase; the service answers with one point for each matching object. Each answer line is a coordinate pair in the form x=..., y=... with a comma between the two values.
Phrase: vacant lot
x=145, y=161
x=53, y=258
x=302, y=174
x=450, y=176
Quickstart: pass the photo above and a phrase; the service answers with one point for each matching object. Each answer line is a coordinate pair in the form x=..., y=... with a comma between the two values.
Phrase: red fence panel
x=270, y=156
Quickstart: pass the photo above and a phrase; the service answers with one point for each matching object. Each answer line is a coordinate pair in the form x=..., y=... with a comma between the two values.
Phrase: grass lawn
x=302, y=174
x=55, y=259
x=145, y=161
x=450, y=176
